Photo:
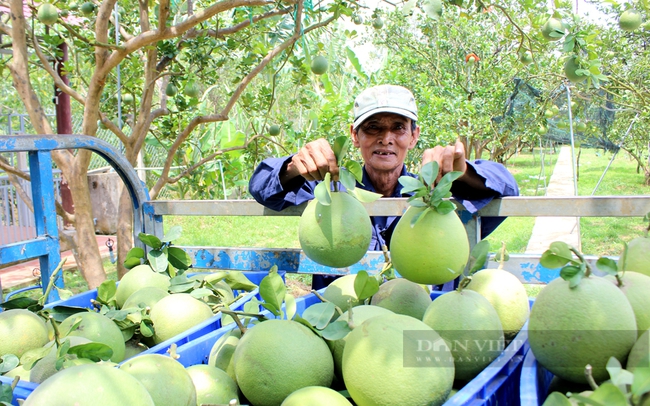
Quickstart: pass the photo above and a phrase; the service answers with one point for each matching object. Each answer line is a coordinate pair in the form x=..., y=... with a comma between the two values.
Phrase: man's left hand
x=449, y=158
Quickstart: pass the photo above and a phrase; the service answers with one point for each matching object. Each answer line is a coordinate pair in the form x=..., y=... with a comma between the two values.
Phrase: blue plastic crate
x=24, y=388
x=535, y=381
x=498, y=383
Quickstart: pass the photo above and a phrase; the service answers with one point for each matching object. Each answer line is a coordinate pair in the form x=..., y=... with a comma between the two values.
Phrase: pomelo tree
x=212, y=51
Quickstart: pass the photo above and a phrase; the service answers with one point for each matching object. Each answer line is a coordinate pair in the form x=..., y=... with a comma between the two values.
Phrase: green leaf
x=179, y=258
x=410, y=184
x=336, y=330
x=558, y=255
x=8, y=362
x=429, y=173
x=93, y=351
x=19, y=303
x=132, y=262
x=322, y=191
x=347, y=179
x=419, y=216
x=30, y=357
x=618, y=375
x=273, y=290
x=340, y=148
x=355, y=169
x=290, y=306
x=569, y=272
x=478, y=256
x=641, y=380
x=158, y=260
x=60, y=313
x=365, y=286
x=238, y=281
x=135, y=252
x=556, y=399
x=319, y=314
x=6, y=394
x=200, y=293
x=172, y=234
x=608, y=394
x=575, y=281
x=106, y=290
x=445, y=207
x=433, y=8
x=607, y=265
x=146, y=328
x=180, y=284
x=150, y=240
x=364, y=196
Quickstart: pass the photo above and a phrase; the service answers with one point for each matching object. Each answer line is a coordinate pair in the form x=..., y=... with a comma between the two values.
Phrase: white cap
x=384, y=99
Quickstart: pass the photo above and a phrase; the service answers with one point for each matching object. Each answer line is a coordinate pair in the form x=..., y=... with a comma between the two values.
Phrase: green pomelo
x=337, y=235
x=133, y=348
x=90, y=385
x=630, y=20
x=507, y=295
x=316, y=396
x=318, y=65
x=47, y=14
x=572, y=327
x=434, y=251
x=139, y=277
x=637, y=256
x=145, y=297
x=526, y=57
x=402, y=296
x=377, y=23
x=21, y=331
x=359, y=315
x=171, y=90
x=191, y=89
x=222, y=351
x=553, y=30
x=87, y=8
x=636, y=287
x=341, y=292
x=570, y=68
x=213, y=385
x=166, y=379
x=470, y=326
x=384, y=363
x=277, y=357
x=640, y=353
x=176, y=313
x=20, y=372
x=274, y=129
x=46, y=366
x=98, y=328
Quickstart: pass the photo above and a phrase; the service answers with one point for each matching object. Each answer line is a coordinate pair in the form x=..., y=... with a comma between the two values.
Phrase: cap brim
x=366, y=115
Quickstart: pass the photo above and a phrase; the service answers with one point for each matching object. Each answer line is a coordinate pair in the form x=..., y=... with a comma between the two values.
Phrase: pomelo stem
x=463, y=283
x=582, y=260
x=56, y=330
x=50, y=283
x=590, y=378
x=502, y=260
x=322, y=299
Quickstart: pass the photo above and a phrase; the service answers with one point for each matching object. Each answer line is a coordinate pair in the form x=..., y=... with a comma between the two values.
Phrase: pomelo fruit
x=377, y=23
x=397, y=360
x=630, y=20
x=213, y=385
x=46, y=366
x=640, y=353
x=171, y=90
x=99, y=328
x=133, y=348
x=176, y=313
x=127, y=98
x=507, y=295
x=318, y=65
x=470, y=326
x=316, y=396
x=341, y=292
x=434, y=251
x=402, y=296
x=636, y=287
x=191, y=89
x=146, y=297
x=166, y=379
x=277, y=357
x=222, y=351
x=570, y=70
x=569, y=328
x=357, y=19
x=87, y=385
x=359, y=315
x=274, y=129
x=21, y=331
x=337, y=235
x=87, y=8
x=137, y=278
x=581, y=126
x=526, y=57
x=637, y=256
x=553, y=29
x=20, y=372
x=47, y=14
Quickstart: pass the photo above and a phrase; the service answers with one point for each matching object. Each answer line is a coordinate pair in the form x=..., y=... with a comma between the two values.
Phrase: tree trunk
x=124, y=231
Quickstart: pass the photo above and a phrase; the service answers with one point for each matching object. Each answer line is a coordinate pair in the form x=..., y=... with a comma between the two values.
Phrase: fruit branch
x=50, y=283
x=590, y=379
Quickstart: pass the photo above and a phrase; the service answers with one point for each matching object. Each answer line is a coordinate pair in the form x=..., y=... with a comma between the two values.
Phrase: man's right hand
x=312, y=162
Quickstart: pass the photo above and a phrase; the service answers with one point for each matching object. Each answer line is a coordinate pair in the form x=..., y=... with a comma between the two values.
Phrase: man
x=384, y=130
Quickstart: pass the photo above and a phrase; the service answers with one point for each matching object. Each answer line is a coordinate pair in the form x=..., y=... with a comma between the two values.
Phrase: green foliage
x=161, y=255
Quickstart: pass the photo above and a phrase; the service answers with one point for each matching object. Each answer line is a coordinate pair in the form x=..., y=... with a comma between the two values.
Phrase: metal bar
x=23, y=250
x=40, y=170
x=569, y=206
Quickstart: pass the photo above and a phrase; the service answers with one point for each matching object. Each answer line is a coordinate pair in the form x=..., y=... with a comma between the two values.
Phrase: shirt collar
x=398, y=190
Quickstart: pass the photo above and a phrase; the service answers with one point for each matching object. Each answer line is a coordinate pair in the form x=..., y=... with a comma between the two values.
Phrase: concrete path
x=550, y=229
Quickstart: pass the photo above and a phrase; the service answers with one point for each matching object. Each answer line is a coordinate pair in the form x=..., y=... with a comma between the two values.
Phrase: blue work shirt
x=266, y=188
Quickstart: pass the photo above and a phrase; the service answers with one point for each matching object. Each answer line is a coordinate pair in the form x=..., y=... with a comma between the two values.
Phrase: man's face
x=384, y=140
